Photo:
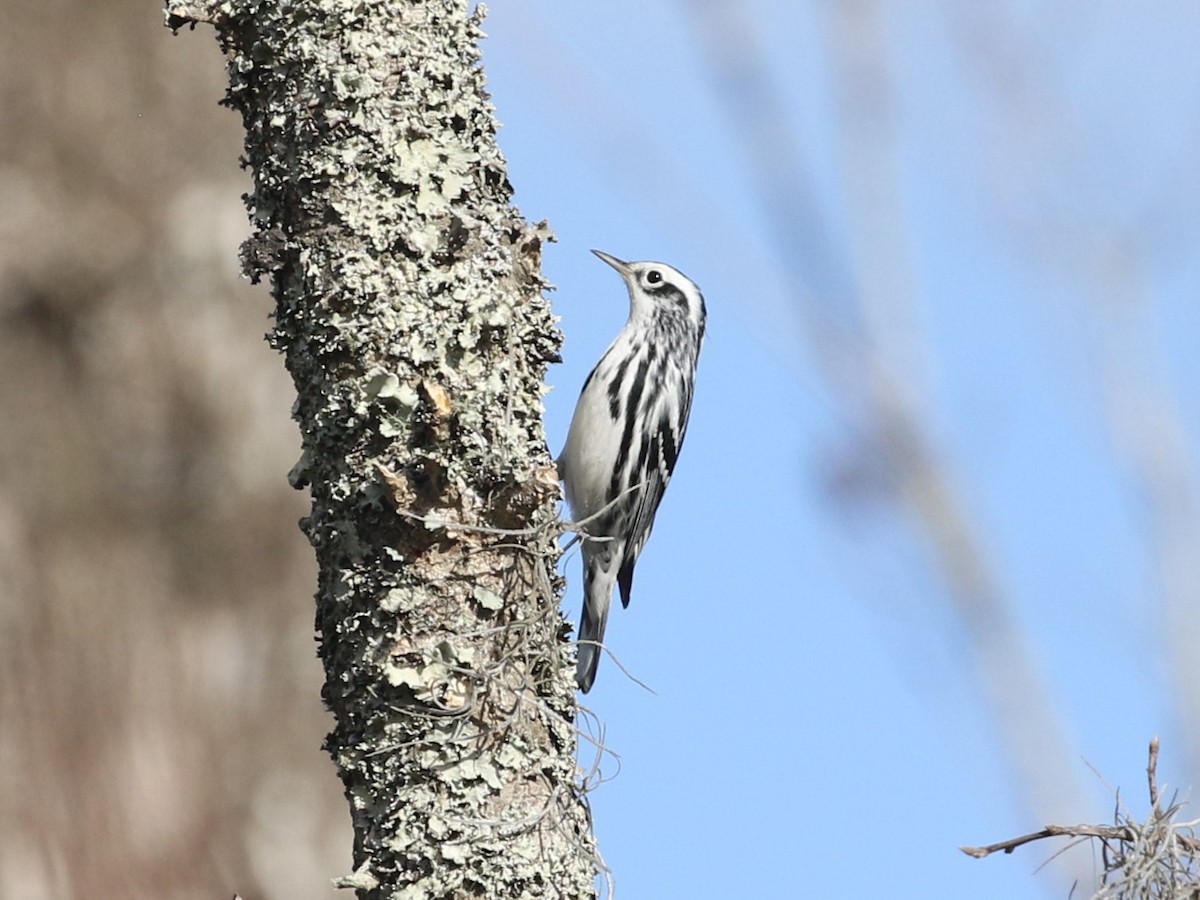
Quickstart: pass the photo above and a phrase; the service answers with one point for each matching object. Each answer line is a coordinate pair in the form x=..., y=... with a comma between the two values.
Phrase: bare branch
x=1152, y=772
x=1159, y=857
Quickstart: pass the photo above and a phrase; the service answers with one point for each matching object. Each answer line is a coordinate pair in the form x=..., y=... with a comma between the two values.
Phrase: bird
x=625, y=437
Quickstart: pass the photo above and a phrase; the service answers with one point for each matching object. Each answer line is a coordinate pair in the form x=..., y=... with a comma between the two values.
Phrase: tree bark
x=411, y=316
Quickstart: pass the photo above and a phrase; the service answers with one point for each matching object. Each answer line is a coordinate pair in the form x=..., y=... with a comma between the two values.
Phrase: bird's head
x=658, y=289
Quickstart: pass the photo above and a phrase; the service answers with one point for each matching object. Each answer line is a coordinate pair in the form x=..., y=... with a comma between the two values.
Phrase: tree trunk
x=410, y=312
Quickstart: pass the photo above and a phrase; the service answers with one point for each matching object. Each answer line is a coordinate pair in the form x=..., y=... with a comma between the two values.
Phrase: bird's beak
x=619, y=264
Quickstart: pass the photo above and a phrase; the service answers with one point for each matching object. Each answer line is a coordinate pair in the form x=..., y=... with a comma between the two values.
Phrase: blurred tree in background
x=160, y=713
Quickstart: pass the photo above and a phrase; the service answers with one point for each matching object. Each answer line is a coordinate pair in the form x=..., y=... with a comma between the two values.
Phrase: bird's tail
x=598, y=588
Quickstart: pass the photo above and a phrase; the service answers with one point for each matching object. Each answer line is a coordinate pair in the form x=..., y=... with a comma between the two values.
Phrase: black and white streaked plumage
x=625, y=437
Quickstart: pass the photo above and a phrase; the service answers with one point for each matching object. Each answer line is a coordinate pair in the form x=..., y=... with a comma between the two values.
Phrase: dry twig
x=1157, y=858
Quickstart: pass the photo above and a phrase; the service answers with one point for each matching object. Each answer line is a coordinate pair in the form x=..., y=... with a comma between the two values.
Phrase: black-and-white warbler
x=625, y=436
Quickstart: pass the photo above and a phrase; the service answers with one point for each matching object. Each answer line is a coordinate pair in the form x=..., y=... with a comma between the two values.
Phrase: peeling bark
x=411, y=316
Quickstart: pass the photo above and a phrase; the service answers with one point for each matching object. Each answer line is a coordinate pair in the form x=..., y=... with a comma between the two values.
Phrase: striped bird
x=625, y=437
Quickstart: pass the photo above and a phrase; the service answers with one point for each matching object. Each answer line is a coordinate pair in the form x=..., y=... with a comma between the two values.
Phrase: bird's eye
x=653, y=276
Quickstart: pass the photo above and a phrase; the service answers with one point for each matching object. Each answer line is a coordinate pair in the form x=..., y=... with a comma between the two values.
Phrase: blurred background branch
x=865, y=290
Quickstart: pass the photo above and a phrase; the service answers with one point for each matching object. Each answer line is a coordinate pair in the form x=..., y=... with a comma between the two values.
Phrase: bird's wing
x=662, y=450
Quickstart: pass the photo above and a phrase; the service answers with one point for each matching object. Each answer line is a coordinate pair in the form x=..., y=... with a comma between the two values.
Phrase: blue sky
x=1019, y=232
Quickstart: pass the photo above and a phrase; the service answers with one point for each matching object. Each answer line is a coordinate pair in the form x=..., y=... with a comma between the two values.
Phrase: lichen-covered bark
x=410, y=312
